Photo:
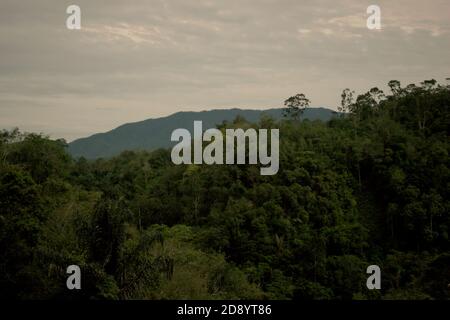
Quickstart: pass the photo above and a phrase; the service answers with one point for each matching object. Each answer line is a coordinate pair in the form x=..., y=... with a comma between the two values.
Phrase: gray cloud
x=132, y=61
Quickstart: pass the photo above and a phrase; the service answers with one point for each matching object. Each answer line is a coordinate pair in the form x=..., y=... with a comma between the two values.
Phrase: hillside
x=368, y=188
x=155, y=133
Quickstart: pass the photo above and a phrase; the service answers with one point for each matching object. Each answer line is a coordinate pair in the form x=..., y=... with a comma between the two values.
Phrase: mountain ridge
x=153, y=133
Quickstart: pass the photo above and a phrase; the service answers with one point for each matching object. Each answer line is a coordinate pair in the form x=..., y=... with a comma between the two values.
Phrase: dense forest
x=371, y=186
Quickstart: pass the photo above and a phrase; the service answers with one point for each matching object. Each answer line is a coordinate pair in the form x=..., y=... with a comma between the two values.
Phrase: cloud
x=137, y=34
x=149, y=58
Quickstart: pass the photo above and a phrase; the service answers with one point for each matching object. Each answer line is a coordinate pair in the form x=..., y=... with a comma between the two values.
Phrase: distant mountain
x=155, y=133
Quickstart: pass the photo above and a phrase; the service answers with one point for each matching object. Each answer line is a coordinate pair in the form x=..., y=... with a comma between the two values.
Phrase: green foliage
x=368, y=187
x=295, y=106
x=21, y=218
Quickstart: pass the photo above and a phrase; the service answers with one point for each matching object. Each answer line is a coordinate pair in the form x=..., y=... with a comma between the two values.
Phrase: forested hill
x=369, y=187
x=151, y=134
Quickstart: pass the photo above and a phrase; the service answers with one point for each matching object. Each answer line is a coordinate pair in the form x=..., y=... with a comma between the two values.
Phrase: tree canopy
x=371, y=186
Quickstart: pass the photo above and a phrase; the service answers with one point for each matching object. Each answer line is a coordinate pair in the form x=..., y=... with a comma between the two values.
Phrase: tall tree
x=346, y=100
x=295, y=106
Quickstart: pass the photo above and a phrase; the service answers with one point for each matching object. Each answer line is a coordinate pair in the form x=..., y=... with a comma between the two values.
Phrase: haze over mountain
x=151, y=134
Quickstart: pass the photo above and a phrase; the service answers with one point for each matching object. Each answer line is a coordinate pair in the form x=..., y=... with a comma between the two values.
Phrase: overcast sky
x=134, y=60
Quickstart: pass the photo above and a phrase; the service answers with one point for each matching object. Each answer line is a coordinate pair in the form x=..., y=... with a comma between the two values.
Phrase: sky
x=134, y=60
